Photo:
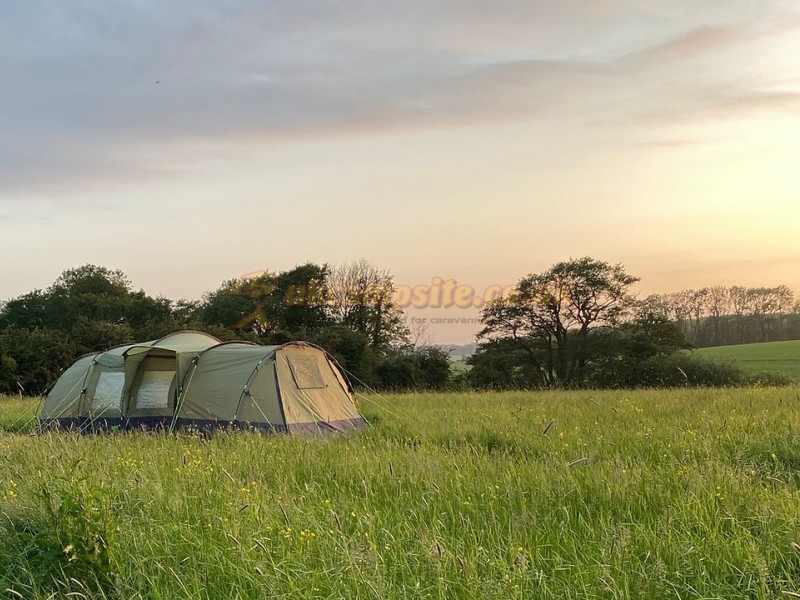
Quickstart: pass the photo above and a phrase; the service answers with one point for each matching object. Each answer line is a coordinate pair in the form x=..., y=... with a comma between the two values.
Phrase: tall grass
x=679, y=494
x=18, y=414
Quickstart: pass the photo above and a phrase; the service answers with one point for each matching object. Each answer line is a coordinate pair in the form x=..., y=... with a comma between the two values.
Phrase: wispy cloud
x=94, y=90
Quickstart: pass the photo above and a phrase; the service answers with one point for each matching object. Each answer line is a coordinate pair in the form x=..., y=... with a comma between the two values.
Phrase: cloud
x=728, y=102
x=99, y=92
x=671, y=143
x=698, y=42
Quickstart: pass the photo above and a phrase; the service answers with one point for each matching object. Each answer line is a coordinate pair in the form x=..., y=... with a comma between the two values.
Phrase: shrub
x=687, y=369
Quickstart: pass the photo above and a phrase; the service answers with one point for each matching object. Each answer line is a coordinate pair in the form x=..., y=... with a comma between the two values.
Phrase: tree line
x=576, y=324
x=719, y=315
x=93, y=308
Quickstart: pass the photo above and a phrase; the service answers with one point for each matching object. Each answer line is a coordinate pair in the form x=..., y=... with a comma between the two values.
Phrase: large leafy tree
x=31, y=359
x=504, y=363
x=238, y=305
x=551, y=314
x=95, y=293
x=86, y=309
x=28, y=311
x=275, y=306
x=302, y=295
x=87, y=293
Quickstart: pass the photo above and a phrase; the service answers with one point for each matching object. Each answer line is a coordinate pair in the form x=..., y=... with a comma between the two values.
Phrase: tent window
x=154, y=389
x=305, y=371
x=108, y=391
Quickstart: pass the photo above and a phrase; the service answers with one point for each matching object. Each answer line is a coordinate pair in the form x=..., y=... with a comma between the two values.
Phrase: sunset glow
x=451, y=140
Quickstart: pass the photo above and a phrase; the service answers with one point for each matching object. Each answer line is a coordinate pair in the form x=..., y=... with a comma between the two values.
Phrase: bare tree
x=654, y=305
x=717, y=306
x=418, y=334
x=697, y=311
x=767, y=306
x=361, y=296
x=680, y=309
x=740, y=305
x=722, y=315
x=784, y=301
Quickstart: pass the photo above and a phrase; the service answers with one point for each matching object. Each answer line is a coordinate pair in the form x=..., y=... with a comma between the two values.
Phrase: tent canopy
x=191, y=379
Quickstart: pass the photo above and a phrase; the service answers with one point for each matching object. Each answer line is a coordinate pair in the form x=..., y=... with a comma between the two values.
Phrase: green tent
x=191, y=379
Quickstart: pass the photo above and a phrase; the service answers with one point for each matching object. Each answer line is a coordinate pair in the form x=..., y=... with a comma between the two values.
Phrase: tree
x=93, y=292
x=697, y=311
x=503, y=364
x=239, y=304
x=723, y=315
x=418, y=334
x=740, y=304
x=89, y=292
x=351, y=350
x=361, y=296
x=652, y=333
x=434, y=366
x=299, y=305
x=28, y=311
x=680, y=309
x=32, y=358
x=276, y=306
x=409, y=369
x=554, y=311
x=86, y=309
x=90, y=335
x=717, y=303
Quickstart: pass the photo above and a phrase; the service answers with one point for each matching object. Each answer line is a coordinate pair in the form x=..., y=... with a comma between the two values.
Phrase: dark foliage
x=574, y=325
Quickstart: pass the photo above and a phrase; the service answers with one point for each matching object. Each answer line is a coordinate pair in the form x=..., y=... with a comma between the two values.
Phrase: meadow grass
x=18, y=414
x=646, y=494
x=777, y=357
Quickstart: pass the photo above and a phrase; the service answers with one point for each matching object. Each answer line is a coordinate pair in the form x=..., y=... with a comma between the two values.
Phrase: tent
x=191, y=379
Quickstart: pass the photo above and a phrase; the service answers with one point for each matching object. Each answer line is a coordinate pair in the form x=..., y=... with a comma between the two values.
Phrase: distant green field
x=459, y=365
x=780, y=357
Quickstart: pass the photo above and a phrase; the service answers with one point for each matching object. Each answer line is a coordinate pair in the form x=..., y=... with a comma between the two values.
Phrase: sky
x=189, y=142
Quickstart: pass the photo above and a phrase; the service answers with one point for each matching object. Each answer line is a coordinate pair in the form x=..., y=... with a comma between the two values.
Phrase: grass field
x=779, y=357
x=647, y=494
